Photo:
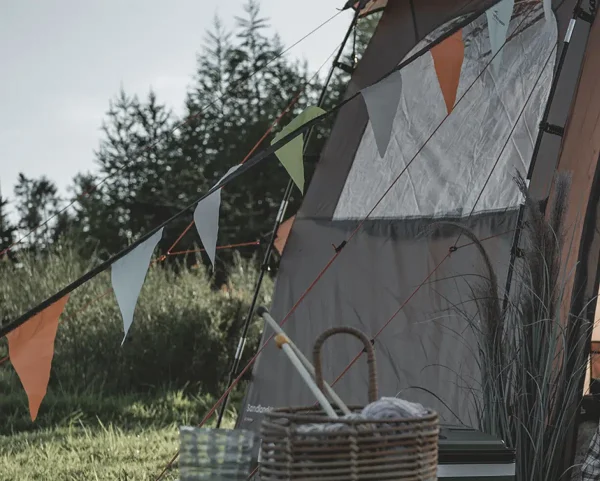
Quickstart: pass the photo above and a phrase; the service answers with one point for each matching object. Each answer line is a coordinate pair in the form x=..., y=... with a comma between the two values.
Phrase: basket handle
x=373, y=390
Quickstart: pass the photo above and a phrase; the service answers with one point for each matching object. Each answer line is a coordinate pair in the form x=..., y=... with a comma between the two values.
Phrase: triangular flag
x=127, y=276
x=283, y=233
x=290, y=155
x=206, y=218
x=382, y=101
x=31, y=348
x=548, y=10
x=448, y=58
x=498, y=18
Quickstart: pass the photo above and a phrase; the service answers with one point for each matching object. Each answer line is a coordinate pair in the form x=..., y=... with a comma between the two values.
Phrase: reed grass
x=531, y=356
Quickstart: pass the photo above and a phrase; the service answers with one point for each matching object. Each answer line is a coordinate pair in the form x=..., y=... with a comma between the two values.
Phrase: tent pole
x=544, y=128
x=278, y=220
x=570, y=443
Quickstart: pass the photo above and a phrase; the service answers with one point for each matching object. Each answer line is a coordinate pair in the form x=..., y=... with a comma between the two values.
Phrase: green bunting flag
x=290, y=155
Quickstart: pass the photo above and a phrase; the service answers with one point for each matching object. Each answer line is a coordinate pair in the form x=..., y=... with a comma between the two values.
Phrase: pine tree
x=36, y=202
x=130, y=193
x=242, y=84
x=7, y=229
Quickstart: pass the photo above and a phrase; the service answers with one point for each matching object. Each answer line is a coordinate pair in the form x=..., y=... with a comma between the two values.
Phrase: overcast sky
x=62, y=60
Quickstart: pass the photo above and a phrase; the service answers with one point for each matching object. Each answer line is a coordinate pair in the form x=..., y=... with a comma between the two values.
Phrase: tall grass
x=183, y=337
x=531, y=358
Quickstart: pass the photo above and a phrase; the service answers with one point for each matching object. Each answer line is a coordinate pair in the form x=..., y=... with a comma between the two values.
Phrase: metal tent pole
x=278, y=220
x=545, y=128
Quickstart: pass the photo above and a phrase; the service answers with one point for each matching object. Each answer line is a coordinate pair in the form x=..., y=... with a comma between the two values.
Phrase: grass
x=112, y=412
x=87, y=436
x=531, y=351
x=83, y=453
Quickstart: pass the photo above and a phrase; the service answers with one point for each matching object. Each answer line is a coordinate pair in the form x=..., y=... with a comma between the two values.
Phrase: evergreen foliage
x=147, y=169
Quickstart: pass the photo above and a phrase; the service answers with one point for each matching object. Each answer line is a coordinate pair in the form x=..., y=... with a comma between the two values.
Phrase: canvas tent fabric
x=370, y=7
x=448, y=176
x=579, y=157
x=427, y=352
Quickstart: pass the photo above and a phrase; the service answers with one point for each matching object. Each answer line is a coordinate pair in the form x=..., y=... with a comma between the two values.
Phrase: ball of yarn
x=393, y=408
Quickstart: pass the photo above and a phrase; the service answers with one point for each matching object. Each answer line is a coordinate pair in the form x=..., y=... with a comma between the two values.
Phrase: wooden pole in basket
x=283, y=343
x=262, y=312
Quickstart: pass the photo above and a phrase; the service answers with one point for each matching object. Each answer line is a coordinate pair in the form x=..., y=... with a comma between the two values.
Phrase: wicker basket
x=357, y=450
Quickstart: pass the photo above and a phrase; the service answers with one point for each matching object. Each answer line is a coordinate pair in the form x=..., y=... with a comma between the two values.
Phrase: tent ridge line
x=4, y=330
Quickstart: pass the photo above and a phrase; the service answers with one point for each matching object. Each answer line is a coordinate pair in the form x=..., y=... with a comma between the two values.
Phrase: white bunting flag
x=127, y=276
x=548, y=10
x=498, y=18
x=382, y=101
x=206, y=218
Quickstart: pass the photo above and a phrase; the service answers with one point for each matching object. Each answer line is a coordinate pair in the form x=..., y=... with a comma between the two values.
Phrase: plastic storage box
x=467, y=454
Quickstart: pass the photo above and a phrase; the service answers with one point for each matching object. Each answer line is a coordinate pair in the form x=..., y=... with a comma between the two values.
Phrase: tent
x=533, y=110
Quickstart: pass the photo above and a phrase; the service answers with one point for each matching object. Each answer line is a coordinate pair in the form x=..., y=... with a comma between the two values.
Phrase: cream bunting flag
x=548, y=10
x=498, y=18
x=206, y=218
x=382, y=101
x=127, y=276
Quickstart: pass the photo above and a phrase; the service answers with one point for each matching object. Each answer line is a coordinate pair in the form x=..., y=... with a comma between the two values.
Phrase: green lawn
x=80, y=453
x=112, y=412
x=88, y=436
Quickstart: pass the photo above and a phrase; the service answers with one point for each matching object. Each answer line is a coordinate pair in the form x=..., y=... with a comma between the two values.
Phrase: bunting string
x=154, y=262
x=106, y=264
x=136, y=263
x=230, y=246
x=129, y=267
x=288, y=108
x=175, y=128
x=170, y=250
x=128, y=273
x=339, y=249
x=267, y=152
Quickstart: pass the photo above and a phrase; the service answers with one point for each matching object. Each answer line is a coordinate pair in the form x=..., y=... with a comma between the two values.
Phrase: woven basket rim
x=297, y=416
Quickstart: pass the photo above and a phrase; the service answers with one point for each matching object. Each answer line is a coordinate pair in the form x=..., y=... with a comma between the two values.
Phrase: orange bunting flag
x=282, y=234
x=31, y=348
x=448, y=58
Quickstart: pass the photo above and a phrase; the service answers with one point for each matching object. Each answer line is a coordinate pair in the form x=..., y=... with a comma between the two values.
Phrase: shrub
x=184, y=333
